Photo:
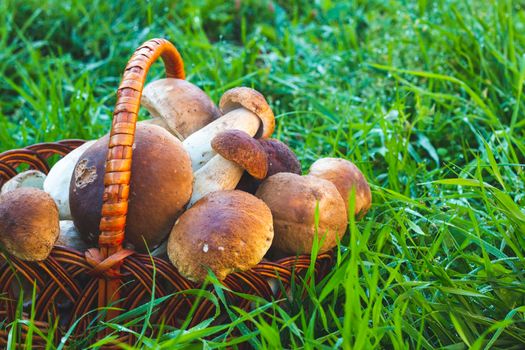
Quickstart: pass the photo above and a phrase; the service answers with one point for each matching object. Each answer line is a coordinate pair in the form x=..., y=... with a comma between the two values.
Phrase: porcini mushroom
x=183, y=107
x=345, y=175
x=29, y=224
x=29, y=178
x=225, y=231
x=293, y=199
x=160, y=187
x=281, y=159
x=59, y=177
x=254, y=101
x=239, y=147
x=244, y=109
x=237, y=151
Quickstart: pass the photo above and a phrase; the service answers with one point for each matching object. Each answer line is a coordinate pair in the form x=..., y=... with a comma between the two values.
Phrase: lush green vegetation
x=424, y=96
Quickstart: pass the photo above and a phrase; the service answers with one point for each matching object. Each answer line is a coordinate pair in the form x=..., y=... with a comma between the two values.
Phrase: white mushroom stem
x=218, y=174
x=161, y=250
x=70, y=237
x=198, y=144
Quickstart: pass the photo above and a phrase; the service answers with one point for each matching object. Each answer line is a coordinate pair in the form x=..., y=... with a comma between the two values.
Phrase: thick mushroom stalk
x=198, y=144
x=70, y=237
x=237, y=151
x=244, y=109
x=218, y=174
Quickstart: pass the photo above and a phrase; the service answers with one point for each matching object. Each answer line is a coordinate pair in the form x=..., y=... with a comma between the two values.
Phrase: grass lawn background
x=424, y=96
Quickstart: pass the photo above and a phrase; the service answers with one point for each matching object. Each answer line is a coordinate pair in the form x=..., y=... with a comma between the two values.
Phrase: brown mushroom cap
x=345, y=175
x=281, y=159
x=184, y=107
x=253, y=101
x=225, y=231
x=238, y=147
x=29, y=223
x=292, y=199
x=161, y=185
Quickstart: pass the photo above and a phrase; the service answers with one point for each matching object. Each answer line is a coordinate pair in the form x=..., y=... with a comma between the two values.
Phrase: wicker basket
x=110, y=274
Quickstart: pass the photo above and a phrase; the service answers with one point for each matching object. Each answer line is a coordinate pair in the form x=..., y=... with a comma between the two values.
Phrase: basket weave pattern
x=111, y=275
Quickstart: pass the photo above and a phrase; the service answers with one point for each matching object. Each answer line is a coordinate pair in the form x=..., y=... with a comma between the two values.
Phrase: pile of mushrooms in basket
x=210, y=189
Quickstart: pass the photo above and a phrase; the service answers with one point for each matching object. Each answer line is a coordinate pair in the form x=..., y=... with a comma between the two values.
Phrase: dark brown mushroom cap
x=225, y=231
x=160, y=187
x=345, y=175
x=253, y=101
x=292, y=199
x=240, y=148
x=281, y=159
x=29, y=223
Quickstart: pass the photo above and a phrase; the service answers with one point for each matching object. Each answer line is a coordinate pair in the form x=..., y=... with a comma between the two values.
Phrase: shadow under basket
x=71, y=286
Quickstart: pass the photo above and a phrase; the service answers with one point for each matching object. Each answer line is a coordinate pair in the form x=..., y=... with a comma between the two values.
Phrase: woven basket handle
x=118, y=162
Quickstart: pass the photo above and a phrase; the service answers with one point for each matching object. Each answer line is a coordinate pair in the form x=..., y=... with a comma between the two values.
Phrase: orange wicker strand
x=117, y=177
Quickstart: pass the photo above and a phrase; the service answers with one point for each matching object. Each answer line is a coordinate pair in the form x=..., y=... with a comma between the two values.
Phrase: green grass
x=424, y=96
